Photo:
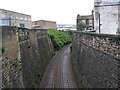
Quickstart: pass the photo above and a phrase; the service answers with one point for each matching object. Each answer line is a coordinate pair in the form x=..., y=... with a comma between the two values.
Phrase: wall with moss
x=95, y=60
x=25, y=56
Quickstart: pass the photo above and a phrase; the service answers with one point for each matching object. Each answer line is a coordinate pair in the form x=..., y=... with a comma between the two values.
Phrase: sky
x=61, y=11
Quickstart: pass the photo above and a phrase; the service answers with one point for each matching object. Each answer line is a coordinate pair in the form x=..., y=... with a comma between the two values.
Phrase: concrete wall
x=25, y=56
x=109, y=19
x=95, y=60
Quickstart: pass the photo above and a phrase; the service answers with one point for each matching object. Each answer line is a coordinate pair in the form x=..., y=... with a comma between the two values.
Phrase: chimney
x=78, y=16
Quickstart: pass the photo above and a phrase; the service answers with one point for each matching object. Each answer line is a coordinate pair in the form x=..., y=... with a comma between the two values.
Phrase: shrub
x=59, y=38
x=81, y=26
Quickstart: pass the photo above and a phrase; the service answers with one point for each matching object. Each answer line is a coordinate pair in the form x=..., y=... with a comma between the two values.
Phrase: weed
x=2, y=49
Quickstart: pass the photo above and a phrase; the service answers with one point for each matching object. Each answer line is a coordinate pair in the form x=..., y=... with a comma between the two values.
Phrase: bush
x=60, y=38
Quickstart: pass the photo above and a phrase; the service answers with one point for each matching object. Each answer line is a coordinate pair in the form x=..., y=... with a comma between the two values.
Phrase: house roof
x=85, y=17
x=14, y=12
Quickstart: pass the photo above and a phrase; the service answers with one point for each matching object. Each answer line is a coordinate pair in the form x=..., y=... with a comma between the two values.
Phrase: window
x=25, y=18
x=3, y=15
x=84, y=21
x=21, y=18
x=11, y=16
x=90, y=22
x=5, y=22
x=17, y=17
x=29, y=19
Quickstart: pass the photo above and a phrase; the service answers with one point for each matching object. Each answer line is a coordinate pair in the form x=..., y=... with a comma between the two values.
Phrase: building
x=107, y=16
x=10, y=18
x=88, y=20
x=66, y=27
x=44, y=24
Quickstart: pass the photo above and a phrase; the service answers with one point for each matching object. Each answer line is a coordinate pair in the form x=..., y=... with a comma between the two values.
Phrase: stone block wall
x=11, y=60
x=25, y=56
x=95, y=60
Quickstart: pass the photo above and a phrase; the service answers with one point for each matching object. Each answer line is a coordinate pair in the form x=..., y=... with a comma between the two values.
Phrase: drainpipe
x=93, y=18
x=99, y=23
x=10, y=20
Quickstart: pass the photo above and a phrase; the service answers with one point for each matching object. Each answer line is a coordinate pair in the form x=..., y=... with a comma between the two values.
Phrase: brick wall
x=45, y=24
x=95, y=60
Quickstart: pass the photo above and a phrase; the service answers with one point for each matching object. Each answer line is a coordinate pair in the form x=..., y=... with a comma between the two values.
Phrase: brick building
x=11, y=18
x=44, y=24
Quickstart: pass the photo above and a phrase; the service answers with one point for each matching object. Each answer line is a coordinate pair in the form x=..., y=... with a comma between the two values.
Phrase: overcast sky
x=61, y=11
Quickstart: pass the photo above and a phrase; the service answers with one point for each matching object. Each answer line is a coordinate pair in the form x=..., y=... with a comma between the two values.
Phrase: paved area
x=59, y=72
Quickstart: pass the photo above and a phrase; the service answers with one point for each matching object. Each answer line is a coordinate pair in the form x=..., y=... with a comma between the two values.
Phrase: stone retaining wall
x=95, y=60
x=25, y=55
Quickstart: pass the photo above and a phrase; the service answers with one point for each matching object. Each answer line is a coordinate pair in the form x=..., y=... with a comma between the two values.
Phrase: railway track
x=59, y=72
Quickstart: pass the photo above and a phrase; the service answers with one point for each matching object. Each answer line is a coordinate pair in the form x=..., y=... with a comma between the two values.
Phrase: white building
x=107, y=16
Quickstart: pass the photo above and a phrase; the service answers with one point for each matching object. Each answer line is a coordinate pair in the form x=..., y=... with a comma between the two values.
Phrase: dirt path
x=59, y=72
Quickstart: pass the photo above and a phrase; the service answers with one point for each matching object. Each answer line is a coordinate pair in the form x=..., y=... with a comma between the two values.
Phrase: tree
x=81, y=26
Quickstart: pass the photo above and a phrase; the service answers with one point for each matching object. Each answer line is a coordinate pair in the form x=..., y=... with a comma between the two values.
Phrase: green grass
x=60, y=38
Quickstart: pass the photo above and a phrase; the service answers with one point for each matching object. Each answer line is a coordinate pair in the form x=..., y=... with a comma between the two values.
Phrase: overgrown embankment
x=60, y=38
x=95, y=60
x=25, y=56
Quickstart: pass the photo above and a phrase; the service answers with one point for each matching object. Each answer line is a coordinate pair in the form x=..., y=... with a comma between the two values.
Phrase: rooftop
x=14, y=12
x=44, y=21
x=84, y=17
